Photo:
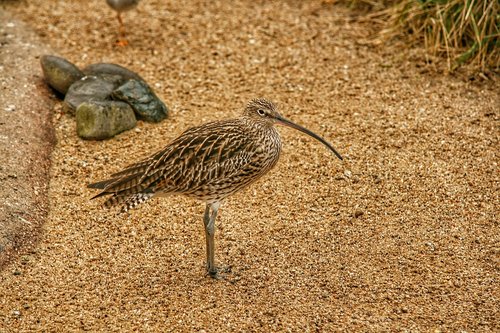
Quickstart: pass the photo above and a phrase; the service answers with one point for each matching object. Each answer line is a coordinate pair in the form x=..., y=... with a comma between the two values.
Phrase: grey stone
x=89, y=88
x=104, y=69
x=116, y=79
x=59, y=73
x=100, y=120
x=143, y=100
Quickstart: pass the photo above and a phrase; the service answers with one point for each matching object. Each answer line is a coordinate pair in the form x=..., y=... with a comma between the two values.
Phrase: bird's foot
x=121, y=42
x=218, y=273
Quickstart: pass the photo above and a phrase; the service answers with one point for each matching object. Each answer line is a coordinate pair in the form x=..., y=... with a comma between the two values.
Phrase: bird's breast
x=268, y=149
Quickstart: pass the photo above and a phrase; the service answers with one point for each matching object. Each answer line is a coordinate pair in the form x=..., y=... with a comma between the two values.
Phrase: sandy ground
x=26, y=138
x=401, y=236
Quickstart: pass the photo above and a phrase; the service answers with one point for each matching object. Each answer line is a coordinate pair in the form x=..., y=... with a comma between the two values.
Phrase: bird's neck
x=265, y=135
x=259, y=127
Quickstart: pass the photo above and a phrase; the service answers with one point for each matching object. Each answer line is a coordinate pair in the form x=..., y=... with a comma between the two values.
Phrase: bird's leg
x=206, y=221
x=209, y=222
x=122, y=41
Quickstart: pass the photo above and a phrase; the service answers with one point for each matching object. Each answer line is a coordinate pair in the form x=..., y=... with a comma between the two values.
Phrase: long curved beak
x=286, y=122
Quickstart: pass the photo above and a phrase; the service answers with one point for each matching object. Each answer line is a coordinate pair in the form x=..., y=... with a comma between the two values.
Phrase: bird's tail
x=128, y=201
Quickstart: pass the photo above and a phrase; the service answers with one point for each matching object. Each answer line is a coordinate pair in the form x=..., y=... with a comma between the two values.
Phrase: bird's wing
x=203, y=158
x=210, y=153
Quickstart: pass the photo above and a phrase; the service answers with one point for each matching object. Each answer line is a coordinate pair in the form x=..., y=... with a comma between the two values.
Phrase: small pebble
x=358, y=213
x=10, y=108
x=348, y=173
x=24, y=260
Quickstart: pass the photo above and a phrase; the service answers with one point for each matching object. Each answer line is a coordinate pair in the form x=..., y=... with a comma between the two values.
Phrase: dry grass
x=465, y=31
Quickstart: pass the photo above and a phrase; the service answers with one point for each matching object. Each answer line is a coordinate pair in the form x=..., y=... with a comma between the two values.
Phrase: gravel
x=401, y=236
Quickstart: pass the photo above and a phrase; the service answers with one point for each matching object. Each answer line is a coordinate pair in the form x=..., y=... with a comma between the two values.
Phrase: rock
x=89, y=88
x=111, y=69
x=358, y=213
x=103, y=82
x=59, y=73
x=100, y=120
x=143, y=100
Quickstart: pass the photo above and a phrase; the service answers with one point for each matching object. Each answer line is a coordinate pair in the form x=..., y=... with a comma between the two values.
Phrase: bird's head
x=264, y=112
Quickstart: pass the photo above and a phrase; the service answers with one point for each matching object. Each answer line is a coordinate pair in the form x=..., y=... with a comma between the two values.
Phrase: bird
x=122, y=6
x=208, y=162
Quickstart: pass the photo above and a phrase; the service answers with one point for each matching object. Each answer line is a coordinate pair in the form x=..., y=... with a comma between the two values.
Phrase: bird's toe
x=219, y=273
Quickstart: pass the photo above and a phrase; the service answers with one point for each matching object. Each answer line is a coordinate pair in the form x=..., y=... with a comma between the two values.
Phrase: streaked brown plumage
x=208, y=162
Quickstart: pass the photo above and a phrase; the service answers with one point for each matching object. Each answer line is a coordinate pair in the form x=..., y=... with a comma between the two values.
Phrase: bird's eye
x=261, y=112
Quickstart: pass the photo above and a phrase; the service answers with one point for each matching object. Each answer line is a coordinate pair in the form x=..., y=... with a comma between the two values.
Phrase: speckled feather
x=208, y=162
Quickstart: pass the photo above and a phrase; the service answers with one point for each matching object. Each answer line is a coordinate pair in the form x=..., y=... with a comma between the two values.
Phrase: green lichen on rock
x=99, y=120
x=143, y=100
